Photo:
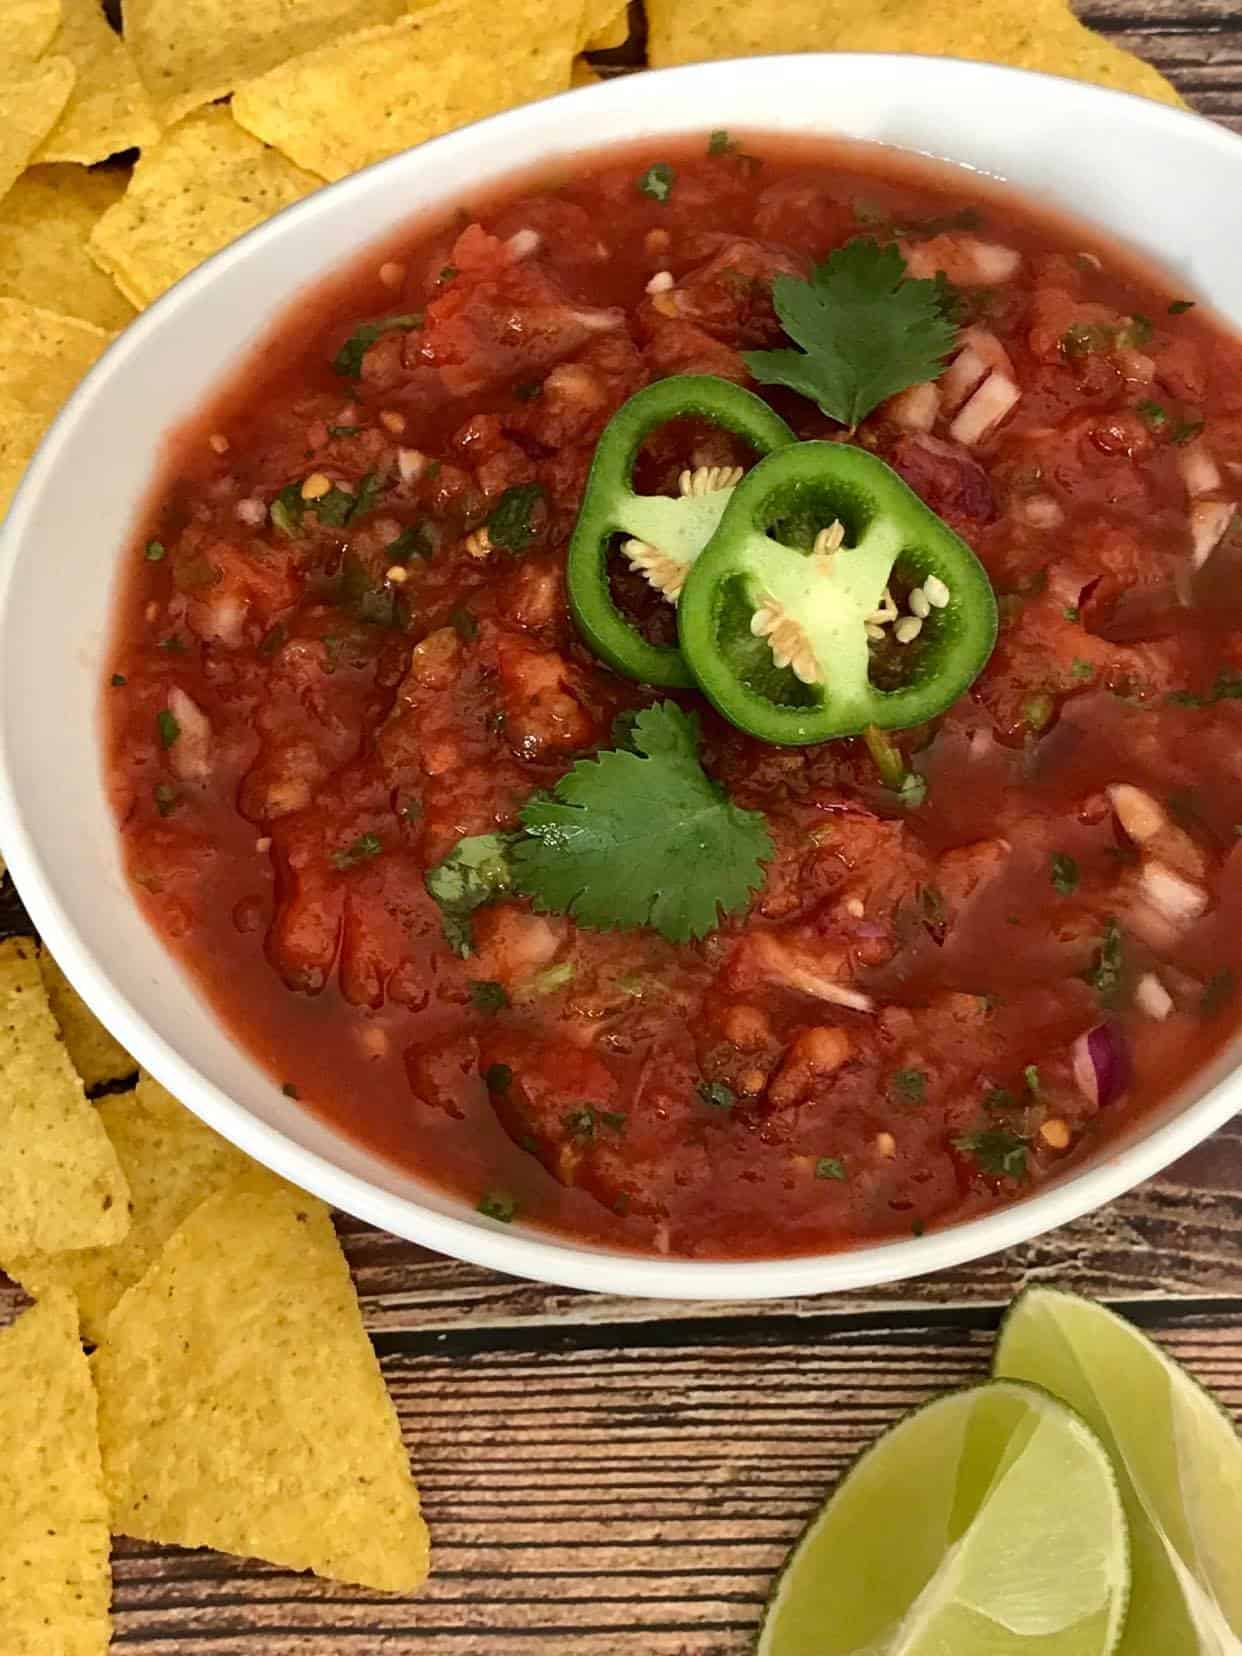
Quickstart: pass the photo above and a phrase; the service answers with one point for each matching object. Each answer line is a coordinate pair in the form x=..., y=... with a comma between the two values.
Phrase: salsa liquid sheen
x=323, y=677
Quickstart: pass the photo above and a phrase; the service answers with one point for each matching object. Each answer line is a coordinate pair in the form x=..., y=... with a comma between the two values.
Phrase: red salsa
x=979, y=947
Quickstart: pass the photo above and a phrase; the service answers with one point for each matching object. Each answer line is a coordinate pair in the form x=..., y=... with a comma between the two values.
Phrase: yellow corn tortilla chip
x=583, y=74
x=55, y=1584
x=32, y=97
x=27, y=29
x=1029, y=34
x=441, y=68
x=241, y=1406
x=604, y=25
x=204, y=184
x=190, y=55
x=108, y=109
x=96, y=1055
x=45, y=223
x=61, y=1185
x=172, y=1163
x=42, y=357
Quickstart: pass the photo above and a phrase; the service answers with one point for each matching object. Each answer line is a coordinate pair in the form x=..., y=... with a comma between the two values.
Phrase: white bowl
x=1147, y=173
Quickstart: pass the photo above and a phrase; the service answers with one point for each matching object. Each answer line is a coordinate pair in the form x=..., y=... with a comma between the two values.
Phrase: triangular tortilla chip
x=172, y=1162
x=32, y=97
x=204, y=184
x=45, y=223
x=448, y=64
x=61, y=1185
x=108, y=109
x=241, y=1406
x=55, y=1585
x=96, y=1054
x=190, y=55
x=44, y=357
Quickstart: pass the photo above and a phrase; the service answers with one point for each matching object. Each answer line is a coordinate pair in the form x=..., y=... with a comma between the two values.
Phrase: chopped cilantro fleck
x=359, y=850
x=447, y=274
x=1178, y=307
x=412, y=542
x=716, y=1094
x=998, y=1098
x=1226, y=686
x=475, y=871
x=657, y=182
x=1217, y=991
x=334, y=508
x=910, y=1085
x=118, y=679
x=496, y=1205
x=580, y=1123
x=174, y=644
x=996, y=1151
x=1070, y=612
x=272, y=639
x=166, y=727
x=1184, y=430
x=720, y=143
x=343, y=431
x=551, y=978
x=1031, y=1076
x=614, y=1120
x=1064, y=874
x=1038, y=711
x=510, y=525
x=931, y=899
x=528, y=390
x=348, y=360
x=166, y=798
x=828, y=1167
x=488, y=996
x=155, y=551
x=1082, y=669
x=1153, y=414
x=370, y=488
x=1105, y=976
x=1085, y=338
x=286, y=510
x=1136, y=333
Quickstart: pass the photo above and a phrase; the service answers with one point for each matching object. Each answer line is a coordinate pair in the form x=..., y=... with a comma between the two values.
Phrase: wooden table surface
x=611, y=1477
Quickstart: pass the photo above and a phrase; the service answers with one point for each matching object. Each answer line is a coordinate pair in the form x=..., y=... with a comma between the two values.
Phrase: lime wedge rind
x=952, y=1533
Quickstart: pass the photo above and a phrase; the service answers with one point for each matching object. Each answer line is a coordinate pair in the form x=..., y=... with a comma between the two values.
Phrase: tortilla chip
x=240, y=1403
x=190, y=55
x=604, y=26
x=1030, y=34
x=95, y=1054
x=32, y=97
x=204, y=184
x=45, y=223
x=27, y=29
x=440, y=69
x=172, y=1162
x=583, y=74
x=55, y=1584
x=42, y=358
x=61, y=1185
x=108, y=109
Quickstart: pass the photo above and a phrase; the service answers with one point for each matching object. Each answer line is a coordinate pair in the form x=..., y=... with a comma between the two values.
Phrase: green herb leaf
x=1082, y=339
x=1105, y=976
x=867, y=331
x=999, y=1098
x=412, y=542
x=996, y=1151
x=720, y=143
x=1031, y=1076
x=716, y=1094
x=657, y=182
x=510, y=526
x=642, y=838
x=1064, y=874
x=528, y=390
x=1178, y=307
x=447, y=274
x=359, y=850
x=1226, y=686
x=614, y=1120
x=118, y=679
x=166, y=798
x=343, y=431
x=286, y=510
x=1136, y=333
x=365, y=600
x=1082, y=669
x=496, y=1205
x=909, y=1085
x=1153, y=414
x=1184, y=430
x=489, y=997
x=155, y=551
x=348, y=360
x=475, y=872
x=166, y=728
x=580, y=1123
x=828, y=1167
x=333, y=509
x=370, y=488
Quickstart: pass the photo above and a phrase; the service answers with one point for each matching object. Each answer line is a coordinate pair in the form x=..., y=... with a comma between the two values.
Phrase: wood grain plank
x=615, y=1502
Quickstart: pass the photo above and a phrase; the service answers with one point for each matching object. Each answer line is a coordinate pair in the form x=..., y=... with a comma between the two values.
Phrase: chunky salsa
x=483, y=878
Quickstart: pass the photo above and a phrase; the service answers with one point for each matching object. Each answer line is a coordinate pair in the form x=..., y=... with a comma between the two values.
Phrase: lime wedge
x=986, y=1524
x=1178, y=1459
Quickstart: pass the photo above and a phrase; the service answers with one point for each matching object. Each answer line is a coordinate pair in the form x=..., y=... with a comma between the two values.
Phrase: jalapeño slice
x=831, y=599
x=664, y=535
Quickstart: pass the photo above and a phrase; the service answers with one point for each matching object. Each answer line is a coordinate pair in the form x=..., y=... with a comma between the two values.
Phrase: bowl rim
x=525, y=1251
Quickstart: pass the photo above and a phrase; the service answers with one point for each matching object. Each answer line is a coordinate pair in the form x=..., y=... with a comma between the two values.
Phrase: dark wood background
x=610, y=1477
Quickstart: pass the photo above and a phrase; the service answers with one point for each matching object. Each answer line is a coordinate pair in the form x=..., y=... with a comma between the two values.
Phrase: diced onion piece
x=1209, y=519
x=1200, y=473
x=1139, y=814
x=1102, y=1064
x=916, y=408
x=994, y=263
x=1135, y=367
x=1041, y=511
x=781, y=964
x=190, y=754
x=1176, y=899
x=985, y=410
x=1151, y=996
x=961, y=377
x=411, y=463
x=251, y=511
x=523, y=243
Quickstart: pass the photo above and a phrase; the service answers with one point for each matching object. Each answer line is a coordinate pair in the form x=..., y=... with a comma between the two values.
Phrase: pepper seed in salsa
x=704, y=714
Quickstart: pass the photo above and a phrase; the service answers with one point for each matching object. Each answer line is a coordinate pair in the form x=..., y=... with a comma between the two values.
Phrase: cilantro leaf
x=996, y=1151
x=359, y=850
x=510, y=526
x=867, y=331
x=657, y=182
x=642, y=838
x=348, y=360
x=475, y=871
